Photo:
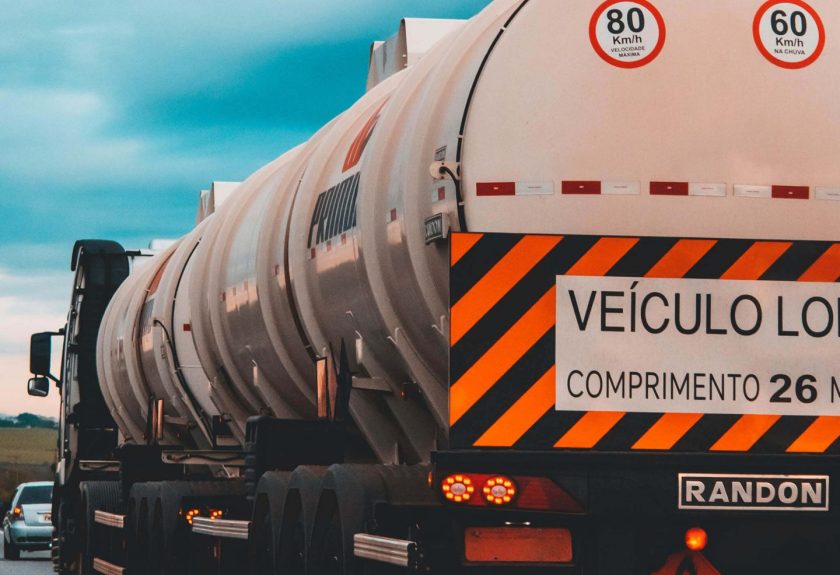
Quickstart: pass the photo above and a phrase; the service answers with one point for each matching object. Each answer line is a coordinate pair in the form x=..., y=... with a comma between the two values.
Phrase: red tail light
x=544, y=494
x=17, y=513
x=458, y=488
x=499, y=490
x=537, y=493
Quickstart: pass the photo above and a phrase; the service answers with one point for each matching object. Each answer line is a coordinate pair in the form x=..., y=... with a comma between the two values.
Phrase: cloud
x=29, y=303
x=113, y=115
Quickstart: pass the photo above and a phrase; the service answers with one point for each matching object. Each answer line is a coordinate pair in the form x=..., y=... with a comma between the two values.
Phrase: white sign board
x=697, y=346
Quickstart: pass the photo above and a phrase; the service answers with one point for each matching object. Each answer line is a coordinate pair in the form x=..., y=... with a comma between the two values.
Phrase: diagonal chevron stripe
x=667, y=431
x=744, y=434
x=486, y=371
x=504, y=390
x=756, y=261
x=522, y=416
x=589, y=430
x=603, y=256
x=818, y=437
x=498, y=282
x=461, y=244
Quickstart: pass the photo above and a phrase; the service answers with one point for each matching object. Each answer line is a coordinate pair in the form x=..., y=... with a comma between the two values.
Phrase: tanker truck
x=557, y=294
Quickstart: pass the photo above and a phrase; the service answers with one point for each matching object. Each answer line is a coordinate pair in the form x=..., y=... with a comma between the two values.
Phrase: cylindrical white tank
x=528, y=103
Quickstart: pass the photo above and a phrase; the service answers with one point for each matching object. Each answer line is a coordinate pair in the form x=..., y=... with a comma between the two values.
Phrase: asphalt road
x=37, y=563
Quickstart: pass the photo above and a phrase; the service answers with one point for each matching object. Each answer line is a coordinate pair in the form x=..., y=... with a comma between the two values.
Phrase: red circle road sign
x=627, y=33
x=789, y=33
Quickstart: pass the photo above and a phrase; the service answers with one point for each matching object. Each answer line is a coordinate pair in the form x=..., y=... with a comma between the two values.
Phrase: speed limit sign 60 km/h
x=627, y=34
x=789, y=33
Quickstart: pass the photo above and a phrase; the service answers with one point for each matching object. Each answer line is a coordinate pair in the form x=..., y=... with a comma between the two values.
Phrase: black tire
x=348, y=493
x=66, y=548
x=266, y=522
x=10, y=551
x=348, y=496
x=156, y=535
x=141, y=501
x=299, y=518
x=96, y=495
x=168, y=536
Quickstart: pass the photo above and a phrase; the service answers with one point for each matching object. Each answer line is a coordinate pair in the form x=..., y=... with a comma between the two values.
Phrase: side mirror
x=39, y=386
x=40, y=353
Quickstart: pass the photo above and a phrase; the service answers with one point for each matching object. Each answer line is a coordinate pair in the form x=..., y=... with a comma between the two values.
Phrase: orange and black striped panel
x=502, y=342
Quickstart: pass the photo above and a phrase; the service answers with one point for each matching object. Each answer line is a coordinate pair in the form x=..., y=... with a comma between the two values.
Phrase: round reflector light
x=499, y=490
x=696, y=539
x=457, y=488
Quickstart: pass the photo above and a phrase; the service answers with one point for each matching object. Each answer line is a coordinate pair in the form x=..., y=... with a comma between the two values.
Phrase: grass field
x=27, y=446
x=25, y=455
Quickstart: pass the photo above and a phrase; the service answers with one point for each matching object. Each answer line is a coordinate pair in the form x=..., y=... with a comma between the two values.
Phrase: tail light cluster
x=520, y=492
x=191, y=513
x=17, y=513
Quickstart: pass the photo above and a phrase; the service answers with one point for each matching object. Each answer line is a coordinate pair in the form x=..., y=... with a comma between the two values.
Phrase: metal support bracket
x=398, y=552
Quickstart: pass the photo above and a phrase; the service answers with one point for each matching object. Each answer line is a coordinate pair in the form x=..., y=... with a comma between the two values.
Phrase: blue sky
x=113, y=115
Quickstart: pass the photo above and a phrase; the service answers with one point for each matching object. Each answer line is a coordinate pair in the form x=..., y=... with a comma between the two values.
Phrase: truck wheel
x=140, y=500
x=10, y=551
x=269, y=499
x=348, y=493
x=167, y=535
x=156, y=536
x=298, y=518
x=102, y=495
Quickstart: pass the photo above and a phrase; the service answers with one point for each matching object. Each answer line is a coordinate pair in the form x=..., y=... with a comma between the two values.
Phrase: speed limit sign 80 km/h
x=789, y=33
x=627, y=34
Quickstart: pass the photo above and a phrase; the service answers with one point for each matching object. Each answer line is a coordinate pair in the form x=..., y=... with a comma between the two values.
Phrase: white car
x=27, y=525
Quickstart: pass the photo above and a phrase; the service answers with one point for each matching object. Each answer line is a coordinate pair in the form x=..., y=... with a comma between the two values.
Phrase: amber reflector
x=696, y=539
x=192, y=513
x=518, y=545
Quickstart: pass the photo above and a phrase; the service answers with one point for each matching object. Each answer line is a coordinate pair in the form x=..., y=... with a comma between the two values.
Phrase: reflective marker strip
x=495, y=189
x=581, y=187
x=669, y=188
x=607, y=188
x=791, y=192
x=618, y=188
x=823, y=193
x=535, y=188
x=612, y=188
x=485, y=189
x=775, y=192
x=710, y=190
x=748, y=191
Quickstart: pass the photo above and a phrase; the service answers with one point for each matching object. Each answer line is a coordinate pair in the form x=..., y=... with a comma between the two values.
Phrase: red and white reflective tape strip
x=484, y=189
x=702, y=189
x=774, y=192
x=605, y=188
x=656, y=188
